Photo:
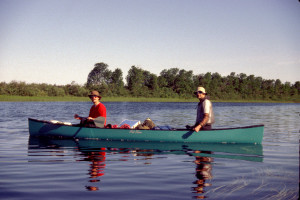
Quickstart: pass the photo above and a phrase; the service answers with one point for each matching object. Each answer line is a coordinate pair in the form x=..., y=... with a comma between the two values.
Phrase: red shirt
x=97, y=111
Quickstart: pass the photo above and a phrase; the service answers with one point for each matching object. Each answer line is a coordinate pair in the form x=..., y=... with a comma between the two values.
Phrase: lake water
x=67, y=169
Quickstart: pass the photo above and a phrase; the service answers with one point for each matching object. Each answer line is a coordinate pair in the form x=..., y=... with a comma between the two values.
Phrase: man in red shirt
x=97, y=110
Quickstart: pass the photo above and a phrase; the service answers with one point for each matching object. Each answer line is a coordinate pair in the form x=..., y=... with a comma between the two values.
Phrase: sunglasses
x=91, y=96
x=199, y=92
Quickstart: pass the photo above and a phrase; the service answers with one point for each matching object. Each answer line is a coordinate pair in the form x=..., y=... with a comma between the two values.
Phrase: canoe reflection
x=95, y=152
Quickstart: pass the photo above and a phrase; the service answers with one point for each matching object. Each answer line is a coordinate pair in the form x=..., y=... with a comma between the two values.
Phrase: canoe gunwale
x=175, y=129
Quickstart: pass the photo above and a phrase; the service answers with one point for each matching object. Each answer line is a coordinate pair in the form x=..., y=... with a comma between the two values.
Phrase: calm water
x=66, y=169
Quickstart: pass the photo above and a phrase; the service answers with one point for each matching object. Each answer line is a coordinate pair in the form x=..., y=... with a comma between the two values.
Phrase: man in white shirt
x=205, y=114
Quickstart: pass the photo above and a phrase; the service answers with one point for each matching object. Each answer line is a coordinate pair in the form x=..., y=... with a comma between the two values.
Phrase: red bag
x=125, y=126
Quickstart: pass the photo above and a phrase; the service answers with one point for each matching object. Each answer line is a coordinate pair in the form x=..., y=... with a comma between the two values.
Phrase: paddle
x=74, y=136
x=99, y=122
x=188, y=127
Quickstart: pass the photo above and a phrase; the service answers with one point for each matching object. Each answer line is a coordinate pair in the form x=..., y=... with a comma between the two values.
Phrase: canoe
x=249, y=134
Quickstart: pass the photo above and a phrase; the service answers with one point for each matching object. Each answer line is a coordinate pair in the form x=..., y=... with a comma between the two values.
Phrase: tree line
x=170, y=83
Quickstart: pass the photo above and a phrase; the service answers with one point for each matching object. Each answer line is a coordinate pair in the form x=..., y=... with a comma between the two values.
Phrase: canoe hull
x=251, y=134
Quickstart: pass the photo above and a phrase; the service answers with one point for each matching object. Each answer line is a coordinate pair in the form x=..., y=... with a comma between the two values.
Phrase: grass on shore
x=9, y=98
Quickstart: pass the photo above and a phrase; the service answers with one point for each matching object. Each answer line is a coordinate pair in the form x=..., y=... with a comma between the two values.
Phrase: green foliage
x=100, y=76
x=171, y=83
x=73, y=89
x=117, y=84
x=136, y=81
x=108, y=83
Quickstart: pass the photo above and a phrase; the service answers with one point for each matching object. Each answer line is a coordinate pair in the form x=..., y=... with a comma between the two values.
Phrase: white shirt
x=205, y=107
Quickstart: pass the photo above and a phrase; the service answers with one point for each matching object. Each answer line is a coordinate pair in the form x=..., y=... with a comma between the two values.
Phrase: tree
x=75, y=89
x=117, y=84
x=183, y=84
x=297, y=87
x=100, y=76
x=295, y=90
x=135, y=80
x=150, y=81
x=169, y=77
x=268, y=89
x=215, y=85
x=287, y=88
x=117, y=77
x=154, y=82
x=278, y=88
x=205, y=81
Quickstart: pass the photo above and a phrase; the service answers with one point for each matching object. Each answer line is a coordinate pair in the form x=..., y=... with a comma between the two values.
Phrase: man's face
x=200, y=95
x=94, y=99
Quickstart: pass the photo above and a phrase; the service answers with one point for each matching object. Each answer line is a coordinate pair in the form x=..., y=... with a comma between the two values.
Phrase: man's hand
x=197, y=128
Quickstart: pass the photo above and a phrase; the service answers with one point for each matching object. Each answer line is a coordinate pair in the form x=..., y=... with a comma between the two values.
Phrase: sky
x=60, y=41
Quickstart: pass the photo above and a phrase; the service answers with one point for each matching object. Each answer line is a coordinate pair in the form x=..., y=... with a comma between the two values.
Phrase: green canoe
x=249, y=134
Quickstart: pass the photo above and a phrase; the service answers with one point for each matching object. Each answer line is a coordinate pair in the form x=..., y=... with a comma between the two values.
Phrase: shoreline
x=7, y=98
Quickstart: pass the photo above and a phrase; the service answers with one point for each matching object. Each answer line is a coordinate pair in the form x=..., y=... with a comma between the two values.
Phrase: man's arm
x=202, y=123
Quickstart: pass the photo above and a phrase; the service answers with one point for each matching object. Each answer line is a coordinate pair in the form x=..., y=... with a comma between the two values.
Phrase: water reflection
x=97, y=166
x=203, y=173
x=95, y=152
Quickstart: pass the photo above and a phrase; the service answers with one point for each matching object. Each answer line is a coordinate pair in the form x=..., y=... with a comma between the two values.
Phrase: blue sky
x=59, y=41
